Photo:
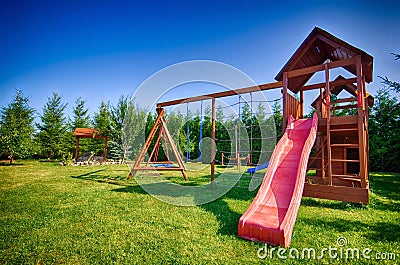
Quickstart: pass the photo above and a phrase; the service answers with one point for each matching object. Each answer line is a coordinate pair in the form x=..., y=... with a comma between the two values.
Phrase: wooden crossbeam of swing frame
x=222, y=94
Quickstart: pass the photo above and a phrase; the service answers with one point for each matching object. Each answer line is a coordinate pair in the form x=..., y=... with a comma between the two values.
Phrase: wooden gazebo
x=89, y=133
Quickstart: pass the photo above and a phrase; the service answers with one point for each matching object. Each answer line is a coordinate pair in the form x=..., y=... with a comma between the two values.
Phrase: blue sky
x=104, y=49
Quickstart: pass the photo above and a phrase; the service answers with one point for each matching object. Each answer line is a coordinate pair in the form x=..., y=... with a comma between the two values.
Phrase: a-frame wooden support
x=160, y=123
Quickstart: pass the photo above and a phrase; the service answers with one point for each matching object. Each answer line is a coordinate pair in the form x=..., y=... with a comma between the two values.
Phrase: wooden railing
x=293, y=107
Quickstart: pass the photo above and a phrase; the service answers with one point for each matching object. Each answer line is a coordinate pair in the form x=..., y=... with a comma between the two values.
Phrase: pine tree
x=277, y=110
x=16, y=128
x=80, y=120
x=52, y=129
x=117, y=116
x=81, y=115
x=134, y=131
x=384, y=133
x=102, y=122
x=395, y=86
x=175, y=121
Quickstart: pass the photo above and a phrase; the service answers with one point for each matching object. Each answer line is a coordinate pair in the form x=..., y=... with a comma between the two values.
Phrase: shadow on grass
x=386, y=185
x=7, y=164
x=385, y=188
x=227, y=218
x=381, y=231
x=330, y=204
x=131, y=189
x=94, y=176
x=87, y=174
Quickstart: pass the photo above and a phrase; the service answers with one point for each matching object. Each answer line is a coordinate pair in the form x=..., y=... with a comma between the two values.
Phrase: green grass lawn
x=92, y=215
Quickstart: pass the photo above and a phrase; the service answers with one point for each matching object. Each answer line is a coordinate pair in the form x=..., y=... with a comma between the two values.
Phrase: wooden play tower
x=340, y=156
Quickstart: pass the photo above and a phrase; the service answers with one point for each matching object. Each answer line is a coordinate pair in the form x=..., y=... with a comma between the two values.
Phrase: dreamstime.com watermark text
x=338, y=252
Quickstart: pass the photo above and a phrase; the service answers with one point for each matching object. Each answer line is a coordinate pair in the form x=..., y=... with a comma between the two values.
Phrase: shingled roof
x=316, y=49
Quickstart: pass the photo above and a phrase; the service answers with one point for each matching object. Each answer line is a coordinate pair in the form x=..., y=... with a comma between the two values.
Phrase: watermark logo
x=341, y=241
x=341, y=251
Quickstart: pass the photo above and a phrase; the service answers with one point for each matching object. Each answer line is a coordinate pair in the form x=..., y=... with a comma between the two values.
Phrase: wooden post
x=328, y=121
x=237, y=156
x=105, y=150
x=284, y=107
x=213, y=118
x=301, y=114
x=238, y=161
x=76, y=148
x=366, y=118
x=361, y=119
x=322, y=156
x=321, y=135
x=321, y=110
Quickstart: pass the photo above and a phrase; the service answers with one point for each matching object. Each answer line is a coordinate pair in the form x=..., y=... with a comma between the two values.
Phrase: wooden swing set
x=340, y=158
x=160, y=126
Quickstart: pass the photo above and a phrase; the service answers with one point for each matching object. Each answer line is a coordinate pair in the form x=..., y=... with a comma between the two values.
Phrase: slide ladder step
x=346, y=160
x=345, y=145
x=347, y=177
x=344, y=130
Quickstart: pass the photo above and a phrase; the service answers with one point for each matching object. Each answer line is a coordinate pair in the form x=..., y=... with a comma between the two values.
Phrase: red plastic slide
x=272, y=214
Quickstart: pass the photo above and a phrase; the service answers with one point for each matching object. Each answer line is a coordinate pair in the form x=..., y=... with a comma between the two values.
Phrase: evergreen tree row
x=52, y=137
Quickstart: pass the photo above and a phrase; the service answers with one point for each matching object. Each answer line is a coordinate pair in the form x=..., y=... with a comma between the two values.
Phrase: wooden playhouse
x=340, y=156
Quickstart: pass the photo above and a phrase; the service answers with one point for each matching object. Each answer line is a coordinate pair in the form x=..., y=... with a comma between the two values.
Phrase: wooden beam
x=339, y=193
x=76, y=148
x=361, y=120
x=351, y=106
x=105, y=150
x=222, y=94
x=145, y=168
x=344, y=100
x=285, y=101
x=342, y=63
x=332, y=84
x=328, y=122
x=213, y=119
x=301, y=114
x=321, y=67
x=307, y=70
x=322, y=156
